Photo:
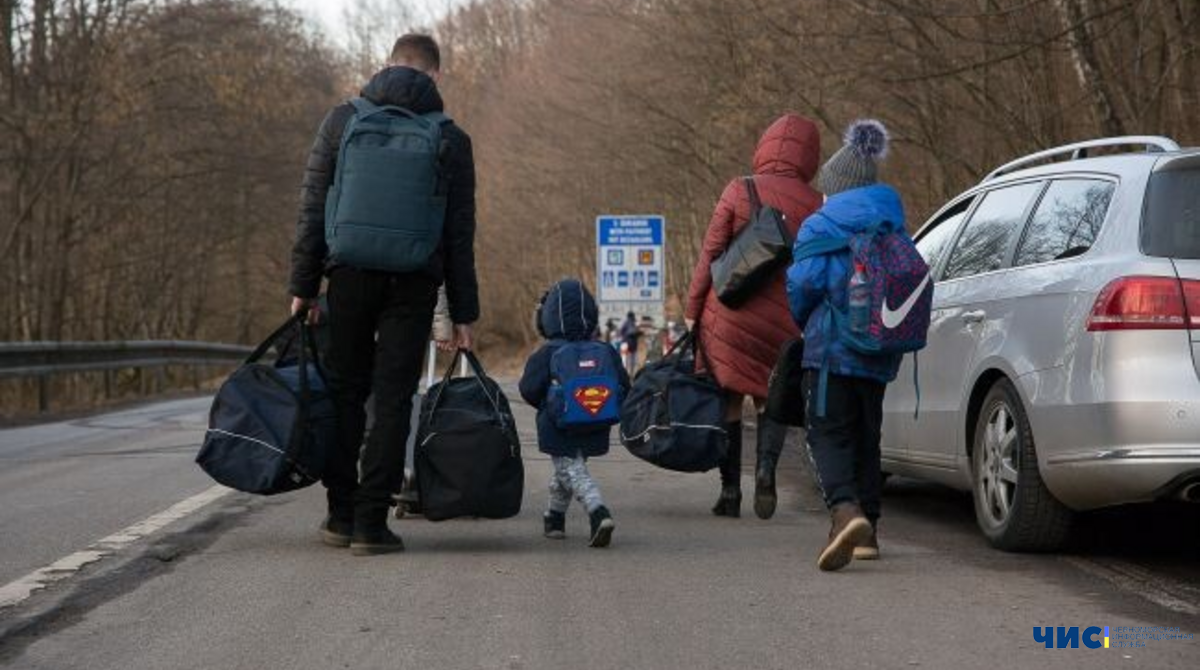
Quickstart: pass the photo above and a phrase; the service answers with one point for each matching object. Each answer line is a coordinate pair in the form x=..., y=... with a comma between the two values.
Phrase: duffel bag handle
x=262, y=349
x=480, y=375
x=690, y=339
x=308, y=347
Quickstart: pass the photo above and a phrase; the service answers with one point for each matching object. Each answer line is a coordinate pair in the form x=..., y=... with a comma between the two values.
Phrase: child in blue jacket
x=568, y=318
x=843, y=440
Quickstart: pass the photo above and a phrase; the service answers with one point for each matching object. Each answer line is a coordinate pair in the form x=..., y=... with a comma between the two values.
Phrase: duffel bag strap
x=698, y=349
x=308, y=347
x=262, y=349
x=437, y=399
x=680, y=344
x=480, y=375
x=752, y=194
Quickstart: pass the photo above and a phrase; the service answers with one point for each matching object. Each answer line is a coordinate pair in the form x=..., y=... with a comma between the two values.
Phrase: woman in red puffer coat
x=740, y=346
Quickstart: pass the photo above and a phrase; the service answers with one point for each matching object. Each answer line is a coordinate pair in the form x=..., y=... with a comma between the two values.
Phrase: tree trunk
x=1087, y=66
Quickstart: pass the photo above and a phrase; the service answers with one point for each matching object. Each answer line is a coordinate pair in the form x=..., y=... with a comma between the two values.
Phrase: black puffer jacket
x=455, y=262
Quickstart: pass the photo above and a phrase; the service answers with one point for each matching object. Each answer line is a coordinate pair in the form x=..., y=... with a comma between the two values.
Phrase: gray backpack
x=387, y=205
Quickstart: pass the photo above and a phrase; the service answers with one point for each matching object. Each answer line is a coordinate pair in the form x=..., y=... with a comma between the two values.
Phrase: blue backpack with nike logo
x=890, y=293
x=387, y=205
x=889, y=297
x=585, y=387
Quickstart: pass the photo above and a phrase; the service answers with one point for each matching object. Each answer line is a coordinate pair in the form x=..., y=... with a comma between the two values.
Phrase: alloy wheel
x=997, y=465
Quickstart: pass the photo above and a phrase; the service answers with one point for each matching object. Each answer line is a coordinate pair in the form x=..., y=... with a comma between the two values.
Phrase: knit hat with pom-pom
x=854, y=165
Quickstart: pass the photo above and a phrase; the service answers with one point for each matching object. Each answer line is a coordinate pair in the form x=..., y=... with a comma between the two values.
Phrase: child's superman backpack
x=585, y=389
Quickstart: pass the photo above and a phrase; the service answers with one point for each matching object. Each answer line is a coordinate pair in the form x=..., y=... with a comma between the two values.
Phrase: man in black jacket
x=380, y=321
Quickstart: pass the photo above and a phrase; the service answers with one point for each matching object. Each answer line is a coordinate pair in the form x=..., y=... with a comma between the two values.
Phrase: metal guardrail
x=32, y=359
x=42, y=359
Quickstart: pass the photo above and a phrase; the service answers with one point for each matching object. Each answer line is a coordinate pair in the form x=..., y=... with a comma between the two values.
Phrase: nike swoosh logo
x=890, y=318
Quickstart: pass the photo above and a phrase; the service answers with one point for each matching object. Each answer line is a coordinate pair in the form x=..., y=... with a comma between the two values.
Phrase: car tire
x=1013, y=507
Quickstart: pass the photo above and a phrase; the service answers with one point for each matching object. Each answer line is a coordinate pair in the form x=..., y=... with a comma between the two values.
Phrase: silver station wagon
x=1063, y=366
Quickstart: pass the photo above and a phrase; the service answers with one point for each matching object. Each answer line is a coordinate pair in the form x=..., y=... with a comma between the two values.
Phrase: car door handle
x=976, y=316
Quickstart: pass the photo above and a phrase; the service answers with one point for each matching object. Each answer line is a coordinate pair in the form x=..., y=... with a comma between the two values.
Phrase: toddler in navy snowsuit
x=576, y=383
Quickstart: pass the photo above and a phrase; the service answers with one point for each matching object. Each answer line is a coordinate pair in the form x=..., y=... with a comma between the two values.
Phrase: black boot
x=372, y=536
x=771, y=436
x=730, y=502
x=554, y=525
x=602, y=527
x=336, y=532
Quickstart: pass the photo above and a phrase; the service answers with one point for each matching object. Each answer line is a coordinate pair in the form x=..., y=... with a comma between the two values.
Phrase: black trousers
x=844, y=443
x=379, y=325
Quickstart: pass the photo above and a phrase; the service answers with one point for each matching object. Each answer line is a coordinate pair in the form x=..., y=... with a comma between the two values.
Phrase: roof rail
x=1153, y=143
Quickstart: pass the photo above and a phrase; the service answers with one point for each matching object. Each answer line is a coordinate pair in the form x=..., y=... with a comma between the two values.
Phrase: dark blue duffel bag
x=673, y=416
x=272, y=425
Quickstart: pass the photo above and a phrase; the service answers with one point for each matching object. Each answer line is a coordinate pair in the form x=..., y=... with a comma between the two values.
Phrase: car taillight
x=1191, y=296
x=1140, y=303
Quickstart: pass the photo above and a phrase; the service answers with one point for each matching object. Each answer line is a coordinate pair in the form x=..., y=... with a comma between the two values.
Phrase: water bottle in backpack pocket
x=585, y=388
x=859, y=300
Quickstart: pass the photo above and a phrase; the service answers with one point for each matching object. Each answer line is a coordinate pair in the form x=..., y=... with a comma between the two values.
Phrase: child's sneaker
x=602, y=527
x=554, y=525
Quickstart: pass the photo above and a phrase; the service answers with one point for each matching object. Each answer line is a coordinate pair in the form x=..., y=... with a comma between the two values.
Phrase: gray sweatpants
x=572, y=479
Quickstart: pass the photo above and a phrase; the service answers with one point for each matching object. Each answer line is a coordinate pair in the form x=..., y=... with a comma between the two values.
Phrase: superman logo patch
x=592, y=398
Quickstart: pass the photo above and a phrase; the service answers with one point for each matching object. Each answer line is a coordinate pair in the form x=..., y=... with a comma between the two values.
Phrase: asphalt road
x=242, y=582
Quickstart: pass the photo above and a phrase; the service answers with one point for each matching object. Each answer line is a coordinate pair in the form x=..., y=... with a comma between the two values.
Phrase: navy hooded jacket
x=811, y=281
x=568, y=314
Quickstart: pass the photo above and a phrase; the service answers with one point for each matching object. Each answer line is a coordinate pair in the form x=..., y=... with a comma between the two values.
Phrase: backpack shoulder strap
x=439, y=118
x=363, y=107
x=820, y=246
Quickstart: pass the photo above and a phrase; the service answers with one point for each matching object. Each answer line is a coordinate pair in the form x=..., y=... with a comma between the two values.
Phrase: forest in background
x=151, y=151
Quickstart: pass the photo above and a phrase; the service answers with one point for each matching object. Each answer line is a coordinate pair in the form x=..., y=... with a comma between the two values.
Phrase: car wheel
x=1013, y=507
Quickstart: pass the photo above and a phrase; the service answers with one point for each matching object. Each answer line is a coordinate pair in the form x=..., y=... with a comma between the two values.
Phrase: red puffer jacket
x=741, y=346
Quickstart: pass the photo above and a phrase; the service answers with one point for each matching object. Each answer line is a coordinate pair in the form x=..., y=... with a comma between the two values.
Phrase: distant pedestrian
x=658, y=346
x=383, y=286
x=631, y=336
x=845, y=410
x=740, y=346
x=576, y=384
x=610, y=333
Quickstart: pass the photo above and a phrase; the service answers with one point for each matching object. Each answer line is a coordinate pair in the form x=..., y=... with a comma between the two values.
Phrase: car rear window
x=1066, y=221
x=1171, y=226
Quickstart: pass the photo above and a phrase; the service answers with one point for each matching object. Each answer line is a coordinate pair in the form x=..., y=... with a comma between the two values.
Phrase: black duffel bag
x=785, y=388
x=468, y=454
x=673, y=416
x=760, y=248
x=272, y=425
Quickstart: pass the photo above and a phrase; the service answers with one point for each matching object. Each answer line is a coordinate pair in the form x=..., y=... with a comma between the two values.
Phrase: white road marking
x=1161, y=591
x=19, y=590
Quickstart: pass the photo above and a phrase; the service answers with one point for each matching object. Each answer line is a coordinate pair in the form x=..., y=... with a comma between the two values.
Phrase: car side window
x=1066, y=221
x=991, y=231
x=933, y=244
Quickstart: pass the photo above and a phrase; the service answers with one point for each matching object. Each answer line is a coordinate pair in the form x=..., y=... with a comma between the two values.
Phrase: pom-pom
x=868, y=138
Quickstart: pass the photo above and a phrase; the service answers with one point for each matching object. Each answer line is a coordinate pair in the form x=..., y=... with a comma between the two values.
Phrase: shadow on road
x=1163, y=537
x=1130, y=531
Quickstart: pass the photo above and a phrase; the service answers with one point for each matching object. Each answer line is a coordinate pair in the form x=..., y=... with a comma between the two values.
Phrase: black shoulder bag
x=759, y=249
